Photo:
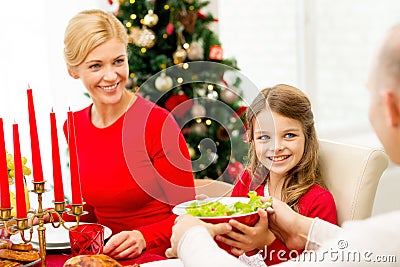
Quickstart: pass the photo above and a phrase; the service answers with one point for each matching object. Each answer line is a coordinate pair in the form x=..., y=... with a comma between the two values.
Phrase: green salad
x=216, y=209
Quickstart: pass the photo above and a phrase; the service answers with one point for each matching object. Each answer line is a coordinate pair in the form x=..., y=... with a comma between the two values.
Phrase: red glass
x=87, y=239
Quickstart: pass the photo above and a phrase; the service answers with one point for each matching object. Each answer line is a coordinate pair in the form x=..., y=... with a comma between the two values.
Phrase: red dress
x=134, y=172
x=316, y=202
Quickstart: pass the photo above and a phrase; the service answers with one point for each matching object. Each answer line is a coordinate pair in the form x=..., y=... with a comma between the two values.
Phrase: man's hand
x=183, y=223
x=289, y=226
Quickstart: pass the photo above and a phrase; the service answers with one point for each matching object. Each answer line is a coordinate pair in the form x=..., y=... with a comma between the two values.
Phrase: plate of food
x=56, y=238
x=222, y=209
x=18, y=254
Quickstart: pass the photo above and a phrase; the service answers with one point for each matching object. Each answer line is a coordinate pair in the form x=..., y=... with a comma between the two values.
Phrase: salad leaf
x=216, y=209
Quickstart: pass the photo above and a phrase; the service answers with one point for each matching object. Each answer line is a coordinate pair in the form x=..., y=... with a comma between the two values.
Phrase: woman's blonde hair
x=292, y=103
x=87, y=30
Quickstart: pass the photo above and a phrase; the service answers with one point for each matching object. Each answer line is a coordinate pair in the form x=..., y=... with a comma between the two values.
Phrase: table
x=57, y=258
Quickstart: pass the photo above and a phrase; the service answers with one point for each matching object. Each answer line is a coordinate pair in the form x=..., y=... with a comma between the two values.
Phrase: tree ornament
x=229, y=96
x=179, y=104
x=222, y=134
x=163, y=82
x=199, y=128
x=150, y=19
x=212, y=95
x=170, y=28
x=216, y=52
x=143, y=37
x=179, y=55
x=188, y=20
x=196, y=51
x=198, y=111
x=192, y=152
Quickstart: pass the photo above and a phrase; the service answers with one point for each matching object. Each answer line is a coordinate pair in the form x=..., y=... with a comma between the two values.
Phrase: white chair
x=212, y=188
x=351, y=173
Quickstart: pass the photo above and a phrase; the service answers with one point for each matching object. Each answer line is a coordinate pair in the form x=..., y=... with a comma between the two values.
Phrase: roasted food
x=4, y=243
x=100, y=260
x=10, y=263
x=22, y=247
x=24, y=256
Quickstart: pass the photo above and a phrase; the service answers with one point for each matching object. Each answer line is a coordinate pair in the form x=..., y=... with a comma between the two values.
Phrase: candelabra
x=15, y=226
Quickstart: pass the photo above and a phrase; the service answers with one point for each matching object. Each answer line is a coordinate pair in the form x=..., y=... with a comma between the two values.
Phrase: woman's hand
x=124, y=245
x=249, y=237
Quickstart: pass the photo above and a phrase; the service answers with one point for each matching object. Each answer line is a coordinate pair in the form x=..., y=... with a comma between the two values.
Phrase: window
x=322, y=47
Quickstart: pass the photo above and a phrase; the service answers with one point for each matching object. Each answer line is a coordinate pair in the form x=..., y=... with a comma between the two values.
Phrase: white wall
x=323, y=47
x=31, y=45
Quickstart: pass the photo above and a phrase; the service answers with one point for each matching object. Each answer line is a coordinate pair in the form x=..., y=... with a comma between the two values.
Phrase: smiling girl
x=283, y=164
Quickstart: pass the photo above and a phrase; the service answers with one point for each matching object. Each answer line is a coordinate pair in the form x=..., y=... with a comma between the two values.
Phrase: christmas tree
x=176, y=61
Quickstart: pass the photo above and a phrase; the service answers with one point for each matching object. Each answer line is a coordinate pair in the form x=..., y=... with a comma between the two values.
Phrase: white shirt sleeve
x=371, y=242
x=198, y=249
x=319, y=232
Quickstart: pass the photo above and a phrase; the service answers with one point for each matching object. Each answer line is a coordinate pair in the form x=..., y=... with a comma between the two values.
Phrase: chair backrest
x=351, y=173
x=212, y=188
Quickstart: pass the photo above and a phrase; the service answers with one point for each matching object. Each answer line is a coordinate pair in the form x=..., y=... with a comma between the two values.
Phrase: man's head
x=384, y=87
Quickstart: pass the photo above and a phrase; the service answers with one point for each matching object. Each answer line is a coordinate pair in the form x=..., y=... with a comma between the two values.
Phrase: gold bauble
x=143, y=37
x=150, y=19
x=192, y=152
x=163, y=82
x=229, y=96
x=179, y=55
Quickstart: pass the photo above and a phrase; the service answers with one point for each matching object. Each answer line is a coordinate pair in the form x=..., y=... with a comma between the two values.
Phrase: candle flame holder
x=15, y=226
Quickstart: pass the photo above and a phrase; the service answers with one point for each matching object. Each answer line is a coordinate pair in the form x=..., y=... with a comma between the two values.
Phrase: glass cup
x=87, y=239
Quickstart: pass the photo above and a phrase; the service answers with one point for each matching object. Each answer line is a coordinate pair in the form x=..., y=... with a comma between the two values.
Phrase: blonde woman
x=133, y=160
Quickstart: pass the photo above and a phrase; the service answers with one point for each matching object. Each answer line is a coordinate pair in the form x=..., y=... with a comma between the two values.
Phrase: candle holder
x=15, y=226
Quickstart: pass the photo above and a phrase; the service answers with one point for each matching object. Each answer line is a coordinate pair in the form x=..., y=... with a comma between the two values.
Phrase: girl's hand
x=249, y=237
x=126, y=244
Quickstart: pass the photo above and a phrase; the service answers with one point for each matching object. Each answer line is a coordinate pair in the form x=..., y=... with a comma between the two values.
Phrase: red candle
x=73, y=161
x=5, y=190
x=19, y=177
x=57, y=175
x=36, y=160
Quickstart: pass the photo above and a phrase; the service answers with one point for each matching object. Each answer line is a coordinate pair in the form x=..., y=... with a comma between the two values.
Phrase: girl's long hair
x=292, y=103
